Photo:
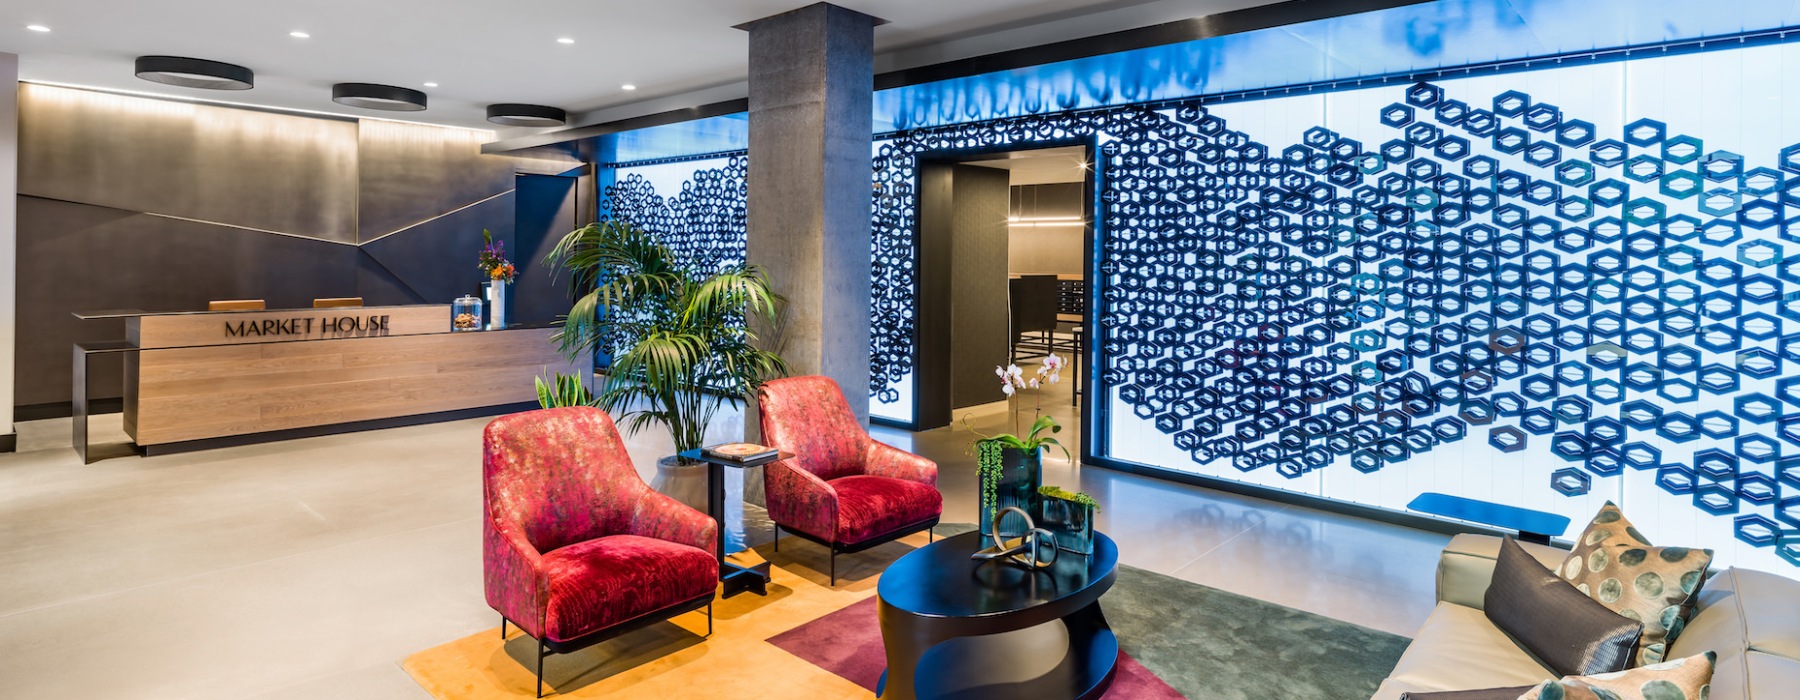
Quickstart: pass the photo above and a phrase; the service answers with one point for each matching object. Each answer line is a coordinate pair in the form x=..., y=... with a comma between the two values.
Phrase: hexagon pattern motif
x=1492, y=269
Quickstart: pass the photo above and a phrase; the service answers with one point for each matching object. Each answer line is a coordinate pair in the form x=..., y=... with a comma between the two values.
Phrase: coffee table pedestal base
x=938, y=658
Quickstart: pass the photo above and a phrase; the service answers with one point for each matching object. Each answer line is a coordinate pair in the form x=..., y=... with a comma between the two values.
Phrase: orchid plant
x=988, y=448
x=1013, y=381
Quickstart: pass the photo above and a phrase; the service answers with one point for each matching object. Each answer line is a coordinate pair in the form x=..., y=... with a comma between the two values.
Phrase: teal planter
x=1021, y=473
x=1072, y=523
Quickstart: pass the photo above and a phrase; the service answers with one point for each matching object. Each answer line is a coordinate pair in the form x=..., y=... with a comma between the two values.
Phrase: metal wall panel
x=410, y=173
x=75, y=257
x=264, y=170
x=436, y=260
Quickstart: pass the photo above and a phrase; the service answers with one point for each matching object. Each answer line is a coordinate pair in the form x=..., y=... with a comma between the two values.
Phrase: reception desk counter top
x=241, y=376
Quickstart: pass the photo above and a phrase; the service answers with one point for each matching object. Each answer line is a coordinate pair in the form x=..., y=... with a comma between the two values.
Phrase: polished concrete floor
x=309, y=568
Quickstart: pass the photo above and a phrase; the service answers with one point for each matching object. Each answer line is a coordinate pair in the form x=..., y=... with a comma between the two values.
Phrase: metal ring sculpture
x=1026, y=552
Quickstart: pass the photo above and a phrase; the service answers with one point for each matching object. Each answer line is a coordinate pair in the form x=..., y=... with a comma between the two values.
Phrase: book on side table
x=743, y=453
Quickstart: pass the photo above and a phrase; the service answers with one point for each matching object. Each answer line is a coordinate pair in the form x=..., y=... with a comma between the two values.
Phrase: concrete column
x=811, y=88
x=9, y=240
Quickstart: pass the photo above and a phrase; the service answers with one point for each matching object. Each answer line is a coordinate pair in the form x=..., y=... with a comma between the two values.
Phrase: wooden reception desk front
x=204, y=377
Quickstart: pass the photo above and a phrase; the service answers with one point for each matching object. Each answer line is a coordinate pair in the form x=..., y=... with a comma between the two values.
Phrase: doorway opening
x=1005, y=249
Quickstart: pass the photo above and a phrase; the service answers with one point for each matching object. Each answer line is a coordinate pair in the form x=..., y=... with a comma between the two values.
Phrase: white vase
x=496, y=303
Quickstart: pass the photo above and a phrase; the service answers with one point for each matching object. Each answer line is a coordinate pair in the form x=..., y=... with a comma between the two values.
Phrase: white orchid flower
x=1033, y=383
x=1007, y=388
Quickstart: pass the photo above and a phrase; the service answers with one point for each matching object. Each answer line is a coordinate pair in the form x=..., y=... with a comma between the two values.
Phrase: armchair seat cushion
x=602, y=582
x=874, y=506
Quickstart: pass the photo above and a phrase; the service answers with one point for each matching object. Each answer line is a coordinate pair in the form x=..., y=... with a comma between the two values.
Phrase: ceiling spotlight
x=371, y=96
x=297, y=34
x=37, y=27
x=526, y=115
x=195, y=73
x=431, y=85
x=565, y=40
x=628, y=87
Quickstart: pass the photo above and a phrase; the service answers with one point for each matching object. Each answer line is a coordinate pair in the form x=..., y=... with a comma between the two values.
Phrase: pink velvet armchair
x=576, y=548
x=842, y=489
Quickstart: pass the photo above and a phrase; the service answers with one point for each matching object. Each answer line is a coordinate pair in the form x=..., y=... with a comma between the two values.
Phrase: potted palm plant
x=681, y=341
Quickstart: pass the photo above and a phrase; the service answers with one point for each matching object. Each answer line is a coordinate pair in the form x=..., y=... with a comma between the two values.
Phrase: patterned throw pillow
x=1614, y=564
x=1608, y=528
x=1681, y=679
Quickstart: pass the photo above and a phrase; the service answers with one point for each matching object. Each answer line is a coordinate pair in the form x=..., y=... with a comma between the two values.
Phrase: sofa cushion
x=1459, y=649
x=1467, y=565
x=1609, y=527
x=603, y=582
x=1688, y=678
x=1757, y=650
x=1561, y=626
x=1612, y=563
x=873, y=506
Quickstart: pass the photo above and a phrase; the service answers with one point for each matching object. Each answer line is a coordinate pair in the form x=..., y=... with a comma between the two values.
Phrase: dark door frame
x=1091, y=380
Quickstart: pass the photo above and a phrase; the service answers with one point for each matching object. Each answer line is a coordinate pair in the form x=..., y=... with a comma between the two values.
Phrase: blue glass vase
x=1016, y=486
x=1072, y=523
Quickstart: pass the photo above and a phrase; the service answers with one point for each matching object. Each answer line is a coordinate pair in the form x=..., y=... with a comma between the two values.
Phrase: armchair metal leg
x=834, y=568
x=540, y=670
x=502, y=626
x=777, y=538
x=930, y=534
x=709, y=619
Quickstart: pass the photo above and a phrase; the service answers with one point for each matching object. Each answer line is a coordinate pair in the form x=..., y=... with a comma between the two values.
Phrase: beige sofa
x=1750, y=618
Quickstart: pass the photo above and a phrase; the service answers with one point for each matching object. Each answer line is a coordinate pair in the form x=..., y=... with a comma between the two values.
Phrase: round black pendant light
x=526, y=115
x=371, y=96
x=195, y=73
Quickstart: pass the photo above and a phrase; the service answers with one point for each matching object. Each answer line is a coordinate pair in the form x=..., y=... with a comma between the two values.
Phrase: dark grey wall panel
x=276, y=172
x=546, y=211
x=978, y=307
x=80, y=257
x=436, y=260
x=133, y=202
x=931, y=373
x=409, y=173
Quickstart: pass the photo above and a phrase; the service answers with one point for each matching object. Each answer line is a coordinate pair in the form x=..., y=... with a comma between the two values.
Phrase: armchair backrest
x=809, y=417
x=562, y=475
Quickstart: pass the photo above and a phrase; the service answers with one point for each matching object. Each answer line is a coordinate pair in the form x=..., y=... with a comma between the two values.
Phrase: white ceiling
x=486, y=52
x=1044, y=166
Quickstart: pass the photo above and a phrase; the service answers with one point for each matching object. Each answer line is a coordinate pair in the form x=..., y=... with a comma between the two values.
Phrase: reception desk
x=201, y=379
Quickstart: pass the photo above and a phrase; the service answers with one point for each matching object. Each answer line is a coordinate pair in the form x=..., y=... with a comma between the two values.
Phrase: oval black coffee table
x=958, y=628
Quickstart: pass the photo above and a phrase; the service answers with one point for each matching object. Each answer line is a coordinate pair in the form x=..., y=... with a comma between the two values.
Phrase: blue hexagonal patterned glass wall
x=1549, y=288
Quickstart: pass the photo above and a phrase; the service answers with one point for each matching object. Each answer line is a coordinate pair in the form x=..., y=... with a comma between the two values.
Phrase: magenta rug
x=848, y=644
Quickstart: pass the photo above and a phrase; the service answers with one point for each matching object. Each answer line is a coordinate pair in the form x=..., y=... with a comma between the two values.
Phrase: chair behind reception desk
x=337, y=302
x=237, y=305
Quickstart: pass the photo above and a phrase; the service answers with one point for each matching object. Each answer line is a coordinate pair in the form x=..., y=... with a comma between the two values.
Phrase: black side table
x=734, y=579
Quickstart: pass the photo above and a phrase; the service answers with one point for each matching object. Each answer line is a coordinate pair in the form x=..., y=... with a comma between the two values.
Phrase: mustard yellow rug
x=674, y=661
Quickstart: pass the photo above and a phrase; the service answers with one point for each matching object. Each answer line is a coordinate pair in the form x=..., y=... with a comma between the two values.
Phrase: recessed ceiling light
x=628, y=86
x=431, y=85
x=37, y=27
x=297, y=34
x=565, y=40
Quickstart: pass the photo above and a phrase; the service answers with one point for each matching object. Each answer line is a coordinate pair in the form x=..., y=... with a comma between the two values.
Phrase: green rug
x=1206, y=643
